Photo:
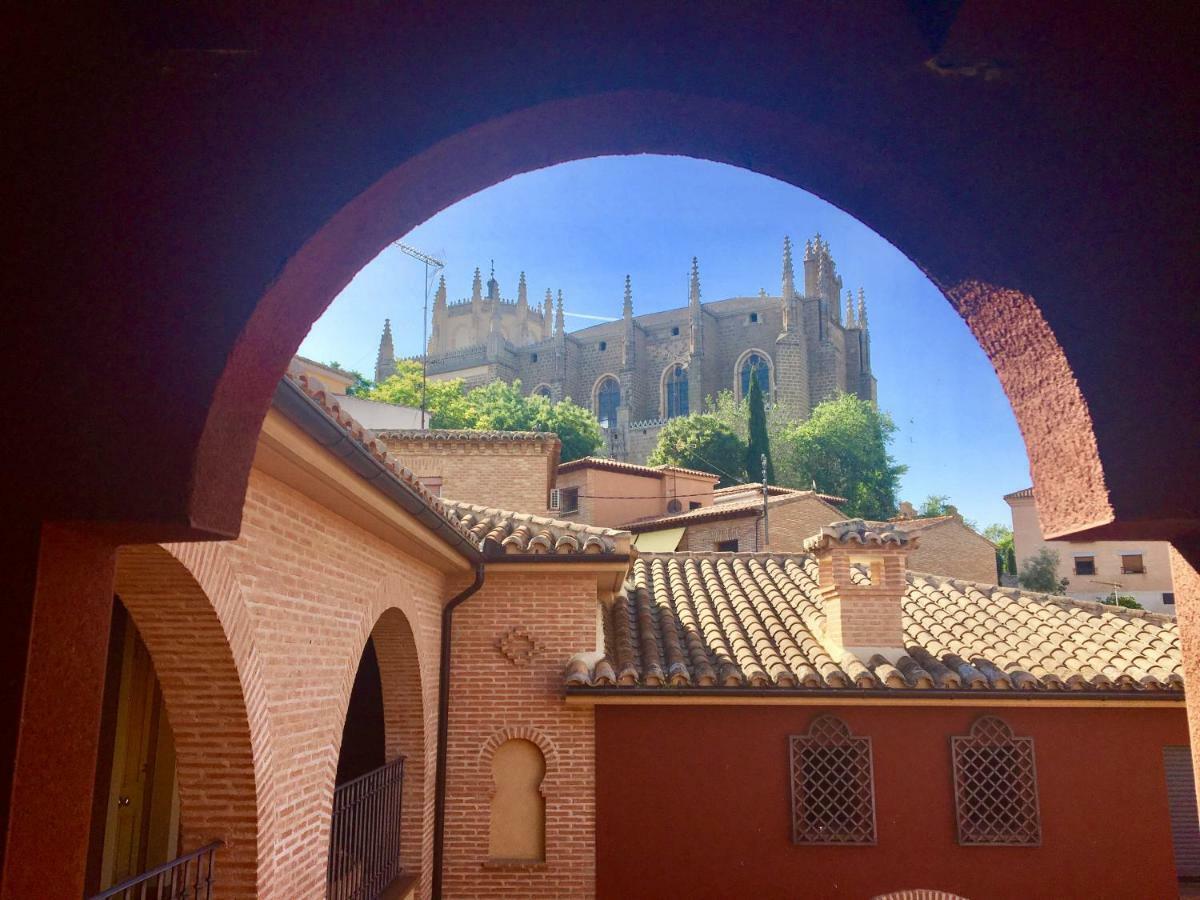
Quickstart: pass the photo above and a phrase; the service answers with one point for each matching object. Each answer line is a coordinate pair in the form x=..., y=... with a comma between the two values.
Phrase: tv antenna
x=432, y=266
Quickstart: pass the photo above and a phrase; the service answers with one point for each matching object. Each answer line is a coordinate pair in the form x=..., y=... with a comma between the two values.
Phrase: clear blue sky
x=583, y=226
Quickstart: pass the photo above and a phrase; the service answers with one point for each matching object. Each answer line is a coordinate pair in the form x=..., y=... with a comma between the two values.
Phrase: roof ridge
x=535, y=519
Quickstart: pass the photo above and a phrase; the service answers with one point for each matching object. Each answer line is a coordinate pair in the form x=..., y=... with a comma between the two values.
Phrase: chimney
x=861, y=572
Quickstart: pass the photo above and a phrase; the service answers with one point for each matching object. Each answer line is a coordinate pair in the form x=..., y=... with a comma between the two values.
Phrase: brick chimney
x=862, y=582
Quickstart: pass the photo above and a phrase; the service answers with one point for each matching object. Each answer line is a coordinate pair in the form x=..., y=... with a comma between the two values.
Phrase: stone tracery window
x=833, y=785
x=675, y=391
x=995, y=786
x=754, y=365
x=608, y=398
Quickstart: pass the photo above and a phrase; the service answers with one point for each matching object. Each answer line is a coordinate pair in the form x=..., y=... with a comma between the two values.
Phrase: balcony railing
x=190, y=877
x=364, y=846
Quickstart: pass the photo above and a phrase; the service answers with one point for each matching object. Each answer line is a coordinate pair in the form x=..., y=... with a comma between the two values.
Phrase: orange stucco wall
x=694, y=801
x=612, y=499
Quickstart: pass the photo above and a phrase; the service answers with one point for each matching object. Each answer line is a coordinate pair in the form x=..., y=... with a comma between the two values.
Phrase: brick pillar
x=54, y=664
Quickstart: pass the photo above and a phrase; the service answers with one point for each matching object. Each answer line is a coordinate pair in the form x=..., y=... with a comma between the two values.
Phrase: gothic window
x=542, y=390
x=833, y=785
x=608, y=398
x=995, y=786
x=755, y=366
x=675, y=388
x=518, y=821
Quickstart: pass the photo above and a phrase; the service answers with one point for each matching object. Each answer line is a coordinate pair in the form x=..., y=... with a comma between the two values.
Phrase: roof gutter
x=291, y=400
x=849, y=694
x=439, y=808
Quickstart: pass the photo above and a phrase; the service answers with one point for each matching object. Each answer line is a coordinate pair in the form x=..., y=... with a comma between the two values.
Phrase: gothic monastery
x=640, y=371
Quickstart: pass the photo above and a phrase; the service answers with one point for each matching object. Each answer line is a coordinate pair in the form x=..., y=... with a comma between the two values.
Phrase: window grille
x=833, y=785
x=1085, y=565
x=1131, y=564
x=608, y=399
x=995, y=786
x=676, y=386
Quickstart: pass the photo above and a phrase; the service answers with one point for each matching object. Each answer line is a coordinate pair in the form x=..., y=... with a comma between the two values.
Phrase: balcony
x=364, y=842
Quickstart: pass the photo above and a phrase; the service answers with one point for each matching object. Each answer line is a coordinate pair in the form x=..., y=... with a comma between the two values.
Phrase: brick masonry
x=952, y=548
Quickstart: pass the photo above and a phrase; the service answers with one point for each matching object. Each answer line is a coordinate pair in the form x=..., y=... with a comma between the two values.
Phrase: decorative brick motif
x=518, y=646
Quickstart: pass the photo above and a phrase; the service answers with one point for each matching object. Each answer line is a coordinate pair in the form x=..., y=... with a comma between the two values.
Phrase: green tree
x=701, y=441
x=843, y=449
x=500, y=406
x=759, y=444
x=1040, y=573
x=936, y=505
x=1123, y=600
x=447, y=406
x=361, y=386
x=1006, y=557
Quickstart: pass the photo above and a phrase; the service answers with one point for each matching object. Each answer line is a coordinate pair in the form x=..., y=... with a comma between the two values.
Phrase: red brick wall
x=504, y=474
x=295, y=598
x=954, y=549
x=719, y=823
x=493, y=699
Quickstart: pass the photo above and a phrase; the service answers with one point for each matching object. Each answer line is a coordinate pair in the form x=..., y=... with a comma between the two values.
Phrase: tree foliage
x=701, y=441
x=843, y=448
x=936, y=505
x=758, y=445
x=1122, y=600
x=1006, y=556
x=1040, y=573
x=361, y=386
x=497, y=406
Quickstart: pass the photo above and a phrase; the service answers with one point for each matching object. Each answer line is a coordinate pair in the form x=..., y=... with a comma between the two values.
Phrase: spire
x=789, y=276
x=559, y=327
x=493, y=285
x=476, y=288
x=522, y=294
x=385, y=360
x=862, y=308
x=694, y=290
x=809, y=253
x=849, y=309
x=439, y=299
x=627, y=308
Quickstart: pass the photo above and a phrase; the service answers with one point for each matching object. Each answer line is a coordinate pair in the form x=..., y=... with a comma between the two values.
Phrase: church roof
x=713, y=621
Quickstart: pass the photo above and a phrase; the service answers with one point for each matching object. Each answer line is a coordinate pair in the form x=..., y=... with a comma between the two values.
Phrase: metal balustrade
x=190, y=877
x=364, y=844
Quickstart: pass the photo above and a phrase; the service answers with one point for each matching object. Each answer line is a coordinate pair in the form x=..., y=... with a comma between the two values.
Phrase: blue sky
x=583, y=226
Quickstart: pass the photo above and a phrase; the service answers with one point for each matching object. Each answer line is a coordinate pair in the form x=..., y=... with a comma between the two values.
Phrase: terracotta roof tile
x=1024, y=492
x=613, y=465
x=711, y=620
x=504, y=533
x=731, y=509
x=465, y=434
x=733, y=491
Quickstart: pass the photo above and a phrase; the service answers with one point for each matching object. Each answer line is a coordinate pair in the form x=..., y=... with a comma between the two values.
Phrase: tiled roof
x=755, y=487
x=1024, y=492
x=613, y=465
x=503, y=533
x=330, y=404
x=731, y=509
x=916, y=526
x=465, y=434
x=722, y=620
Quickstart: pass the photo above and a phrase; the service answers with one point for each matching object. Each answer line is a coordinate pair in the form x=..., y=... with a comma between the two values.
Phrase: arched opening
x=517, y=831
x=380, y=817
x=754, y=364
x=189, y=675
x=606, y=396
x=675, y=391
x=543, y=390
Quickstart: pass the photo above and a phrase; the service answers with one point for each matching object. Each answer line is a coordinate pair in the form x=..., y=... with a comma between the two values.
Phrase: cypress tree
x=759, y=443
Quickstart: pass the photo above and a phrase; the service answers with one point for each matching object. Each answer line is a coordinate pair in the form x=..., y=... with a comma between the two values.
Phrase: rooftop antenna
x=432, y=266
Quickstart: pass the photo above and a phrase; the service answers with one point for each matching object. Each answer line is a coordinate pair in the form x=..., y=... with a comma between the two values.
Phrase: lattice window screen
x=833, y=785
x=995, y=786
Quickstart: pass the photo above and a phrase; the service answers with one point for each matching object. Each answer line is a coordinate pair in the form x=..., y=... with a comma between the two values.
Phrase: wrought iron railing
x=190, y=877
x=364, y=845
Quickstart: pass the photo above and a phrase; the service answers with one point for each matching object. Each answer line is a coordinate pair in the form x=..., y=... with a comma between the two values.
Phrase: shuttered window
x=1181, y=801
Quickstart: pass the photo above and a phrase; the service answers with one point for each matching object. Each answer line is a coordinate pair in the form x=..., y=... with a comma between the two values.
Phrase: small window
x=1131, y=564
x=674, y=506
x=727, y=546
x=570, y=499
x=674, y=331
x=431, y=483
x=995, y=786
x=753, y=318
x=694, y=504
x=833, y=785
x=603, y=346
x=1168, y=598
x=1085, y=565
x=533, y=357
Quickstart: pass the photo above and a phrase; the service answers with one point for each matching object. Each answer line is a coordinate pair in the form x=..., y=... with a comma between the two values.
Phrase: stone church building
x=636, y=373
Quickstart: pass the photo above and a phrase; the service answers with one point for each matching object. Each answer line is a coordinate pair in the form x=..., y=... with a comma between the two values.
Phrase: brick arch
x=737, y=372
x=919, y=894
x=520, y=733
x=955, y=252
x=407, y=672
x=212, y=688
